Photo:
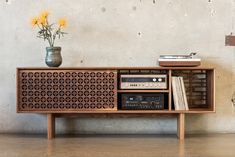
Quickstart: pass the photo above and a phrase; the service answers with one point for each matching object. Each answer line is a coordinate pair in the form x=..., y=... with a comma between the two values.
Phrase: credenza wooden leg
x=180, y=125
x=50, y=126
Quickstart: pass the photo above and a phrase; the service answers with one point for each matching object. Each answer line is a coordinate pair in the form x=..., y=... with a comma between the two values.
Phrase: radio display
x=155, y=81
x=142, y=79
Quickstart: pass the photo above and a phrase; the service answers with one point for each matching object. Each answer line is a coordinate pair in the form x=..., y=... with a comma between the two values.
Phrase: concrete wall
x=119, y=33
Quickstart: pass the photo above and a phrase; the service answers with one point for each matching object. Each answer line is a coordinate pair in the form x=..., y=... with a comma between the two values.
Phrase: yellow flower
x=62, y=23
x=43, y=20
x=45, y=14
x=34, y=21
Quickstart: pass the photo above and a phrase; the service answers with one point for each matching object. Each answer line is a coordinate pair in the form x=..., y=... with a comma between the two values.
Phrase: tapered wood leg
x=50, y=126
x=180, y=125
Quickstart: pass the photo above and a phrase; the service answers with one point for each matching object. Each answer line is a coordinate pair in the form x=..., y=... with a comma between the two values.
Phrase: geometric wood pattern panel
x=66, y=90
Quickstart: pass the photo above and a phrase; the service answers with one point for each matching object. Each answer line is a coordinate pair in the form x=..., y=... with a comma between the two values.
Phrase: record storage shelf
x=95, y=91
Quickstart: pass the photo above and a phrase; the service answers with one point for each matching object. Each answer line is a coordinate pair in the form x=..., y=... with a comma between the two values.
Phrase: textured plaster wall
x=119, y=33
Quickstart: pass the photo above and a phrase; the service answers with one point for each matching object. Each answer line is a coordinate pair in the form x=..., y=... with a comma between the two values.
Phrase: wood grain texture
x=50, y=126
x=30, y=100
x=181, y=126
x=142, y=91
x=170, y=90
x=166, y=111
x=177, y=63
x=83, y=92
x=211, y=89
x=196, y=145
x=66, y=90
x=117, y=68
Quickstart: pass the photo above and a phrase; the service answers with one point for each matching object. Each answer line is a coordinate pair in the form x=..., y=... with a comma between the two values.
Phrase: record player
x=179, y=60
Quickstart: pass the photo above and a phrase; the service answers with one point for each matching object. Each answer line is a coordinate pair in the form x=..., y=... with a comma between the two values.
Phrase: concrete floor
x=215, y=145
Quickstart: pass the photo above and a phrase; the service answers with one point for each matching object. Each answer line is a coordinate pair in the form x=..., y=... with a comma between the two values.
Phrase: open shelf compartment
x=199, y=86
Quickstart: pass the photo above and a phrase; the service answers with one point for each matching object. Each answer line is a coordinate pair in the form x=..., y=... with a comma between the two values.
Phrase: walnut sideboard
x=95, y=91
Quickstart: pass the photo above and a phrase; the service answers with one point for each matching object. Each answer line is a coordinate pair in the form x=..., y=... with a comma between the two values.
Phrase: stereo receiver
x=155, y=81
x=140, y=101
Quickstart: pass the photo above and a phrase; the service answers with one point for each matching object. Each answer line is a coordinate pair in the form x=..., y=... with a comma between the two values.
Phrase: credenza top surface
x=117, y=68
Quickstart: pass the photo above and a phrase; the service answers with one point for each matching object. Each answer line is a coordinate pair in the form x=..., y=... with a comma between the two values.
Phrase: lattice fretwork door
x=66, y=90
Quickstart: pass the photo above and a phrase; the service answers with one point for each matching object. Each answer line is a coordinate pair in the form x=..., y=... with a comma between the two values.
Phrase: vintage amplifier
x=156, y=81
x=142, y=101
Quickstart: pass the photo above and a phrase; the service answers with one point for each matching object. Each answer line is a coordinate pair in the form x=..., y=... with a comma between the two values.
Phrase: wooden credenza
x=95, y=90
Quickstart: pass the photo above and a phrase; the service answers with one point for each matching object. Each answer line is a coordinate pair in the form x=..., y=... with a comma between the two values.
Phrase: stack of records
x=179, y=60
x=179, y=93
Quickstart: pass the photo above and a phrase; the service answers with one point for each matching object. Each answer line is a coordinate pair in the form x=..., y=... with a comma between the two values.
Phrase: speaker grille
x=67, y=90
